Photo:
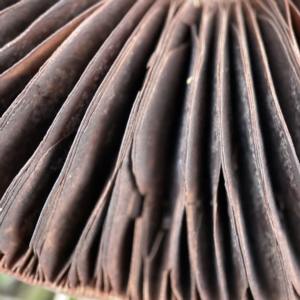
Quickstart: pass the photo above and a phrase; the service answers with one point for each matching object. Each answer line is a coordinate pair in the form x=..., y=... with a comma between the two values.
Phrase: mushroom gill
x=150, y=149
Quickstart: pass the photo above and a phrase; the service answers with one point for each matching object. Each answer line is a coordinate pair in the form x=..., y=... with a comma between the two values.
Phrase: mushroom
x=149, y=149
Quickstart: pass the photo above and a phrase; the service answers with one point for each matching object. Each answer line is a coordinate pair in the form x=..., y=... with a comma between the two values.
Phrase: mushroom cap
x=149, y=149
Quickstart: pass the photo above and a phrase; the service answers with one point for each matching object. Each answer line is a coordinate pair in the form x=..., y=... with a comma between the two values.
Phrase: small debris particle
x=189, y=80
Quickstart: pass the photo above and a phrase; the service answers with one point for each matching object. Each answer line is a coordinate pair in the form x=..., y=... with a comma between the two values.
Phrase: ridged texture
x=150, y=149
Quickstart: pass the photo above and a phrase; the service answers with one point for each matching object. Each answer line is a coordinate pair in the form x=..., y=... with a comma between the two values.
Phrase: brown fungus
x=150, y=149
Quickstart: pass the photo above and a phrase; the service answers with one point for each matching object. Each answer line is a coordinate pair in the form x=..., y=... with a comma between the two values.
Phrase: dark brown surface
x=150, y=149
